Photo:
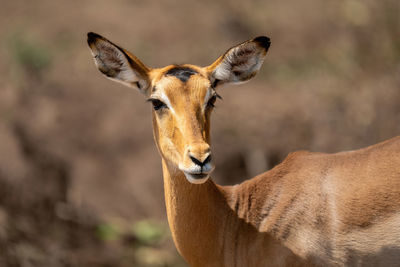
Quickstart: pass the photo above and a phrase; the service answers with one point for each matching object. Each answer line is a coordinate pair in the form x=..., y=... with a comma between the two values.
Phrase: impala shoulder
x=302, y=155
x=298, y=154
x=300, y=163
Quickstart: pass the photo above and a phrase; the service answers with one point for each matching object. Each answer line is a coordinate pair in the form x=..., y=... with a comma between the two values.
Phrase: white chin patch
x=195, y=180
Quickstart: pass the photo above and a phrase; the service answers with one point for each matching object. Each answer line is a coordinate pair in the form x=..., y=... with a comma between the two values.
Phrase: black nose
x=198, y=162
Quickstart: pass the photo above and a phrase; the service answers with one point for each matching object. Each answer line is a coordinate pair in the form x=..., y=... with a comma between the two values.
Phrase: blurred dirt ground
x=80, y=177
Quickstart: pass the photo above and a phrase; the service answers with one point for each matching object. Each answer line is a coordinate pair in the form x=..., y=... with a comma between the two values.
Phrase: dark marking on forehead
x=182, y=73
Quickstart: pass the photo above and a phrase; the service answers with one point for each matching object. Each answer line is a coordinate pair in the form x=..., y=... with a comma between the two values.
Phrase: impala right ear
x=118, y=64
x=240, y=63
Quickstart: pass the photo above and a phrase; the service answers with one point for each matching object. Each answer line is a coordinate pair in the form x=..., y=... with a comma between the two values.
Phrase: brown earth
x=79, y=172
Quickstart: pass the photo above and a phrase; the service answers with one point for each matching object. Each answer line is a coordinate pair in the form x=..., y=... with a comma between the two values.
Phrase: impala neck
x=206, y=222
x=196, y=213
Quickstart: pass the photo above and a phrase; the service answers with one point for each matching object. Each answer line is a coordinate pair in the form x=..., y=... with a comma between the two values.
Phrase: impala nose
x=199, y=154
x=199, y=162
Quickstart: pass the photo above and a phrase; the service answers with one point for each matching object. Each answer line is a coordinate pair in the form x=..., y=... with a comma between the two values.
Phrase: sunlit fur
x=313, y=209
x=184, y=127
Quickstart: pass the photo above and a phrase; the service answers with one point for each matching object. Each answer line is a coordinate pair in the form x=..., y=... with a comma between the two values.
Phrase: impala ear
x=118, y=64
x=240, y=63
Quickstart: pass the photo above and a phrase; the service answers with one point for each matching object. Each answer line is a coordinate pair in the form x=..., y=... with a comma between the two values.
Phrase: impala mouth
x=196, y=174
x=196, y=178
x=199, y=175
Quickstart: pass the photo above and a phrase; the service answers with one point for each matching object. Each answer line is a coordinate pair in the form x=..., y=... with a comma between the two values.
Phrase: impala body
x=313, y=209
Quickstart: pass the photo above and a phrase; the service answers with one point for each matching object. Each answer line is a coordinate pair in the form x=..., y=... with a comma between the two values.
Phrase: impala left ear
x=118, y=64
x=240, y=63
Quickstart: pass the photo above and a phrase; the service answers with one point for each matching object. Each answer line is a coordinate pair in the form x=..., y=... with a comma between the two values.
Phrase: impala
x=313, y=209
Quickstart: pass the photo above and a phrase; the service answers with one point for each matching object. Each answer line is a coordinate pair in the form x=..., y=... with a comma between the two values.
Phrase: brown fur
x=313, y=209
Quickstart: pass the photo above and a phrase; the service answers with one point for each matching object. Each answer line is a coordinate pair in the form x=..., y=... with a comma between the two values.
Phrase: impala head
x=182, y=97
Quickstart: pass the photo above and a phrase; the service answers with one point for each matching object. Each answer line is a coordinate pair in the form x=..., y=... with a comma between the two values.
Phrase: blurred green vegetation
x=147, y=239
x=108, y=232
x=150, y=232
x=146, y=232
x=29, y=54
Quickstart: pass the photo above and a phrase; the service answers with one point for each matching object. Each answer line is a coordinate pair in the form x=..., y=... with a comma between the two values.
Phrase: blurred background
x=80, y=176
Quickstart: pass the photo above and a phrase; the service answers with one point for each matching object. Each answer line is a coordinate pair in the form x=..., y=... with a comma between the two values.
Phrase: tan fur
x=313, y=209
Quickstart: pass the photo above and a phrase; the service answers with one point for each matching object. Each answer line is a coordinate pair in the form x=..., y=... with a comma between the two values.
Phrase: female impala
x=312, y=209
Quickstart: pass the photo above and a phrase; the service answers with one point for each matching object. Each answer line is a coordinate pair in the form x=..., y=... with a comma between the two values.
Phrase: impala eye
x=157, y=104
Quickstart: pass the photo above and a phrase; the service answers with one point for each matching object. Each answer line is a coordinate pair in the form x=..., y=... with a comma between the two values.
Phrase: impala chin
x=197, y=178
x=196, y=174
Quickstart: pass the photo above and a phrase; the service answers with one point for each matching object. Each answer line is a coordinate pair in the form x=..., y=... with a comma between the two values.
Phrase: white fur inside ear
x=223, y=71
x=240, y=63
x=113, y=63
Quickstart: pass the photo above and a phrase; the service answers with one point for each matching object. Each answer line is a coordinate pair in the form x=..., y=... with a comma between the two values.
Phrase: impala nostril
x=198, y=162
x=207, y=160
